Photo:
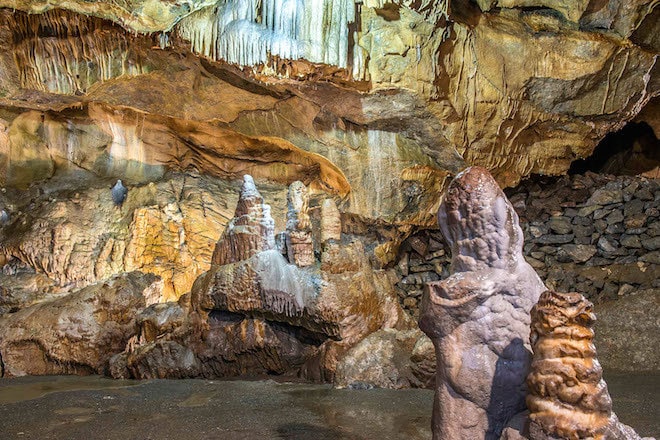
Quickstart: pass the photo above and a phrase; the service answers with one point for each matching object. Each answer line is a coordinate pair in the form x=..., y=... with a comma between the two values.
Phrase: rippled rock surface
x=568, y=398
x=478, y=318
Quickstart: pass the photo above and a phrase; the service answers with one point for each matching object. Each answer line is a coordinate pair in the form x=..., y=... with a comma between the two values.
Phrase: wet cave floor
x=69, y=407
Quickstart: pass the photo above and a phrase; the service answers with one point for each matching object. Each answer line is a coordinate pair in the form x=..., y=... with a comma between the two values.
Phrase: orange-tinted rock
x=568, y=397
x=299, y=243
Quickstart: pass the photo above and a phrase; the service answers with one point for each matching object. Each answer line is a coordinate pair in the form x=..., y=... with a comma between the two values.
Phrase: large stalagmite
x=478, y=318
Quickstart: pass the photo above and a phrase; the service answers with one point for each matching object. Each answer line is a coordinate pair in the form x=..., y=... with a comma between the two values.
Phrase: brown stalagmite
x=568, y=398
x=252, y=229
x=478, y=318
x=300, y=247
x=330, y=221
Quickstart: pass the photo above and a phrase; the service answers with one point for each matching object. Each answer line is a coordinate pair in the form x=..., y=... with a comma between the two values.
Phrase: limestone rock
x=330, y=221
x=77, y=333
x=626, y=332
x=77, y=237
x=568, y=397
x=299, y=244
x=261, y=314
x=388, y=359
x=252, y=229
x=478, y=318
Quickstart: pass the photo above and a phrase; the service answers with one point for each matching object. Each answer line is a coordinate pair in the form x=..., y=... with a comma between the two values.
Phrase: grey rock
x=615, y=217
x=606, y=196
x=600, y=225
x=651, y=257
x=601, y=213
x=631, y=241
x=588, y=210
x=644, y=194
x=652, y=243
x=583, y=231
x=616, y=228
x=633, y=207
x=538, y=230
x=579, y=253
x=555, y=239
x=607, y=244
x=560, y=225
x=119, y=193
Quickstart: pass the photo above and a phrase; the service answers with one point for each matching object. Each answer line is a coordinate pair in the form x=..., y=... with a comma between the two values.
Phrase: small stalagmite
x=568, y=398
x=252, y=229
x=478, y=318
x=299, y=245
x=330, y=221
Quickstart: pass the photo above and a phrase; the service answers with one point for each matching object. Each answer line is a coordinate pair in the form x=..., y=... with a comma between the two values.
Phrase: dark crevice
x=630, y=151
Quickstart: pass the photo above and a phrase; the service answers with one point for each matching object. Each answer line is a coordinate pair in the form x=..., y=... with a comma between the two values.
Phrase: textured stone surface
x=252, y=229
x=253, y=312
x=77, y=236
x=77, y=333
x=388, y=359
x=568, y=397
x=478, y=318
x=627, y=332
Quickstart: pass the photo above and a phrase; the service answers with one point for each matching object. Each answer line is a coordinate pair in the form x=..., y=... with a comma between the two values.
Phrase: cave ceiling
x=373, y=101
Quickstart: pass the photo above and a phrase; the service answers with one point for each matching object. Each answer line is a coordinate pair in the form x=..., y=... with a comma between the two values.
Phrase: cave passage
x=633, y=150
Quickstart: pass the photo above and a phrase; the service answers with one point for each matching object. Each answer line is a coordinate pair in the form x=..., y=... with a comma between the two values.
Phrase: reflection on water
x=33, y=387
x=69, y=407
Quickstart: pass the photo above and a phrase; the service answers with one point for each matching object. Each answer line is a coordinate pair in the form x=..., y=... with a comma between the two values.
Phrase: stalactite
x=250, y=32
x=63, y=52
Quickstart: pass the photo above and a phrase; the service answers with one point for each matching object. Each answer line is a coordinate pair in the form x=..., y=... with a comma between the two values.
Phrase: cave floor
x=68, y=407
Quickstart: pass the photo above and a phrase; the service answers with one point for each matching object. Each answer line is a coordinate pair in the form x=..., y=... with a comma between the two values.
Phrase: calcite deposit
x=568, y=397
x=256, y=312
x=478, y=317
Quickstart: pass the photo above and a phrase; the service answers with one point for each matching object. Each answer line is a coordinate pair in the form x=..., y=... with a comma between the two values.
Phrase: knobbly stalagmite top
x=478, y=318
x=252, y=229
x=568, y=397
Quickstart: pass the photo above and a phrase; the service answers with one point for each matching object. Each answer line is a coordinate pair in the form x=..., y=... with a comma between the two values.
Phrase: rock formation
x=568, y=398
x=76, y=333
x=254, y=312
x=299, y=244
x=478, y=318
x=252, y=229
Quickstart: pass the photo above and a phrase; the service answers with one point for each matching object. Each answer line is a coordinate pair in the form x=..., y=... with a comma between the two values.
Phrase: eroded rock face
x=77, y=333
x=254, y=312
x=299, y=244
x=389, y=359
x=568, y=397
x=77, y=237
x=478, y=318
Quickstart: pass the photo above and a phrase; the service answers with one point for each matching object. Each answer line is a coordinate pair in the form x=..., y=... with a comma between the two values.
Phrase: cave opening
x=633, y=150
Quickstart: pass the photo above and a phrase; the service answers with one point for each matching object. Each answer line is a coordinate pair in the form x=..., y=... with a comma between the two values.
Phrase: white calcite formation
x=478, y=318
x=249, y=32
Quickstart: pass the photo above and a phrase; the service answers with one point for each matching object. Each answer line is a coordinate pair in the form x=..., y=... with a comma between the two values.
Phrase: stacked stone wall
x=595, y=234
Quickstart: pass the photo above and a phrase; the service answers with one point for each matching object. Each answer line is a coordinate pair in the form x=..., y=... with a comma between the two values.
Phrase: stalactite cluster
x=64, y=52
x=250, y=32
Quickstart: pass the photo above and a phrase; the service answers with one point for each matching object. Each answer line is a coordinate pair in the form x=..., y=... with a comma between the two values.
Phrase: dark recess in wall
x=632, y=150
